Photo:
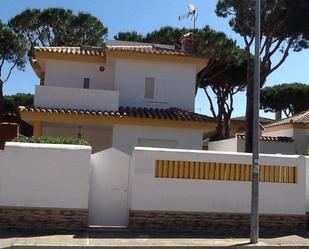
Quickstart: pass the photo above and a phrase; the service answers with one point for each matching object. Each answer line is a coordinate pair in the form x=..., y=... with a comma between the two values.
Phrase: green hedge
x=50, y=140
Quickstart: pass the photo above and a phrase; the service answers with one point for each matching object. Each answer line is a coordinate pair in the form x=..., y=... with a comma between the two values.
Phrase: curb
x=38, y=246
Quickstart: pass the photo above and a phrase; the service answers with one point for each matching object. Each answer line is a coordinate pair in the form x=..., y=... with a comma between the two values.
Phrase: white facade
x=126, y=76
x=126, y=137
x=121, y=83
x=71, y=74
x=171, y=81
x=44, y=175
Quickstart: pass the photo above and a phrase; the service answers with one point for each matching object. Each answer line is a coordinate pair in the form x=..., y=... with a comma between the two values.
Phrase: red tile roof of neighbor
x=262, y=119
x=270, y=139
x=300, y=118
x=134, y=112
x=98, y=51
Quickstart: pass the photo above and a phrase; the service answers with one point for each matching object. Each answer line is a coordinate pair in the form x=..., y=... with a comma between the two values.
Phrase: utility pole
x=254, y=229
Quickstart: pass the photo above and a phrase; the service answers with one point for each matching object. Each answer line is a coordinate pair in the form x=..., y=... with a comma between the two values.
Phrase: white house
x=126, y=95
x=286, y=136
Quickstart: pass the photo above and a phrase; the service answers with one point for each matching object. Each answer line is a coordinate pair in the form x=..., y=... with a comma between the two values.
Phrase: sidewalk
x=113, y=240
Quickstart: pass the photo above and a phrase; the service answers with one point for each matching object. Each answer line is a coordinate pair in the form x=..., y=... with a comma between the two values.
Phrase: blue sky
x=144, y=16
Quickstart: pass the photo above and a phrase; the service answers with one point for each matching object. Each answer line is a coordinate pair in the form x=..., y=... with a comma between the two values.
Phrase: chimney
x=189, y=42
x=278, y=115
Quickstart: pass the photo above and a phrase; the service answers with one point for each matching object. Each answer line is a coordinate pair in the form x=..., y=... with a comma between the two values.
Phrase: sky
x=144, y=16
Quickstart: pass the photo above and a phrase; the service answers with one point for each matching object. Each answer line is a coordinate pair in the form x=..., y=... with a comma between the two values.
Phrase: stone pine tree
x=284, y=27
x=59, y=27
x=129, y=36
x=287, y=98
x=13, y=49
x=224, y=75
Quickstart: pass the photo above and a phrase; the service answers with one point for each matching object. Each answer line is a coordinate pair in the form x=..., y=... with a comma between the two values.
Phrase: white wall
x=270, y=147
x=301, y=141
x=307, y=183
x=237, y=144
x=72, y=73
x=300, y=137
x=174, y=83
x=223, y=145
x=44, y=175
x=150, y=193
x=125, y=137
x=108, y=200
x=100, y=138
x=74, y=98
x=283, y=133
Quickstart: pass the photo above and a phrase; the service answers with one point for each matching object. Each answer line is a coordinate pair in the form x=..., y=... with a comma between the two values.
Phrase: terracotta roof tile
x=300, y=118
x=270, y=138
x=135, y=112
x=262, y=119
x=98, y=51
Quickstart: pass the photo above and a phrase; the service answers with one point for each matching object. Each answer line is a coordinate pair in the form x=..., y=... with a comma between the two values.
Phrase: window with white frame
x=149, y=88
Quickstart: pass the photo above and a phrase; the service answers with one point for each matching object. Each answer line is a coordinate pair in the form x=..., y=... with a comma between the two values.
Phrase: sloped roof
x=300, y=118
x=270, y=138
x=262, y=119
x=134, y=112
x=98, y=51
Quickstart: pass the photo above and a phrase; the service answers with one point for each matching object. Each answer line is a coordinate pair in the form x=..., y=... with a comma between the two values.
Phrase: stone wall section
x=161, y=221
x=55, y=219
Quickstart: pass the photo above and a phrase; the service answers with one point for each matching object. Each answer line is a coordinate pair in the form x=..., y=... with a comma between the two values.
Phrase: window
x=157, y=143
x=86, y=83
x=149, y=88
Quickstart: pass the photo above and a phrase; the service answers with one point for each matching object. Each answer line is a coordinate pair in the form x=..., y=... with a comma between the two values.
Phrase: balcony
x=76, y=98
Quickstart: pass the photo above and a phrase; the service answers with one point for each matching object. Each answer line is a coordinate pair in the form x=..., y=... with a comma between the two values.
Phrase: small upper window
x=86, y=83
x=149, y=88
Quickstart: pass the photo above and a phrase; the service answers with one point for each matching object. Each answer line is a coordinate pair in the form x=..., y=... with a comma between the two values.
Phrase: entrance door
x=108, y=193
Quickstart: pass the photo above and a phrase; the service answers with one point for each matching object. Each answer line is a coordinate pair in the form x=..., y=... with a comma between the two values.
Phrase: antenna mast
x=192, y=14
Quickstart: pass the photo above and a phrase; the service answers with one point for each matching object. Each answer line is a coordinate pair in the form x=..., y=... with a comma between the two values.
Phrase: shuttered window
x=149, y=87
x=86, y=83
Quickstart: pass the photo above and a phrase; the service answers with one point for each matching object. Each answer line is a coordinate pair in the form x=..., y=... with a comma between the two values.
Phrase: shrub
x=50, y=140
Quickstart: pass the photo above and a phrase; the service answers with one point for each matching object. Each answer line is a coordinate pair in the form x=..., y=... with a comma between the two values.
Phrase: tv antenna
x=191, y=14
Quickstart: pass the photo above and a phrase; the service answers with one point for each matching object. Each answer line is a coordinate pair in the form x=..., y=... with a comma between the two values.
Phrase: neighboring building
x=286, y=136
x=268, y=144
x=296, y=127
x=11, y=126
x=238, y=124
x=122, y=96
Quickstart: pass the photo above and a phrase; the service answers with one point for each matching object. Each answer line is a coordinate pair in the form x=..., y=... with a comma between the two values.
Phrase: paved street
x=113, y=239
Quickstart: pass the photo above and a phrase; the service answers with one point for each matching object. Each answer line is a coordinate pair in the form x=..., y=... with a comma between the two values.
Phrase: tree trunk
x=226, y=127
x=220, y=117
x=1, y=101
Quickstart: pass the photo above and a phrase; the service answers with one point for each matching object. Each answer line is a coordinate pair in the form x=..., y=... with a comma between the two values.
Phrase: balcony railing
x=76, y=98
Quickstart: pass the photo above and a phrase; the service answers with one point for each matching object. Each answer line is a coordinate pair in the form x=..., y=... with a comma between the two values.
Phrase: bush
x=50, y=140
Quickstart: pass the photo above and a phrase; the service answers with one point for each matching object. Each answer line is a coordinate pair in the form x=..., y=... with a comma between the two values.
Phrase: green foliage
x=129, y=36
x=283, y=27
x=165, y=35
x=289, y=98
x=13, y=49
x=50, y=140
x=11, y=102
x=59, y=27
